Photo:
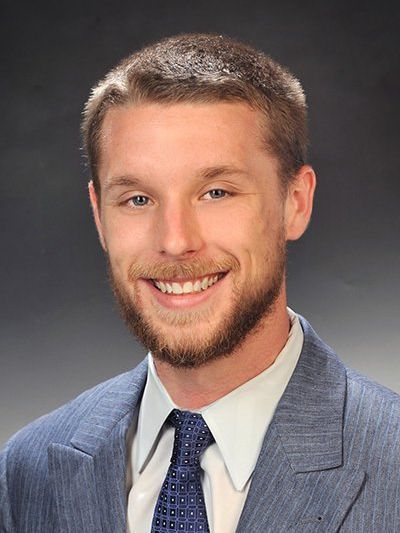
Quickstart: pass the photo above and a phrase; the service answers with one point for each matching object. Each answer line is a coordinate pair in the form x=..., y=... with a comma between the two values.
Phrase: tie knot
x=192, y=436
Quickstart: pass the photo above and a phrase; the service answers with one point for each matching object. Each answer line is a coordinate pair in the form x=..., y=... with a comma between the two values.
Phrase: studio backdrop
x=60, y=329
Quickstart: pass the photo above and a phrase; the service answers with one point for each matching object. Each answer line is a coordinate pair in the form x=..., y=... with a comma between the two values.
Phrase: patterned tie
x=180, y=505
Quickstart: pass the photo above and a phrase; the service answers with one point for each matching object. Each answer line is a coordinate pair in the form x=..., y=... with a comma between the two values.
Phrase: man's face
x=191, y=216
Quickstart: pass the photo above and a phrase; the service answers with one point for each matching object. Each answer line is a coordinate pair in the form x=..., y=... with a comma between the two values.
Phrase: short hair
x=205, y=68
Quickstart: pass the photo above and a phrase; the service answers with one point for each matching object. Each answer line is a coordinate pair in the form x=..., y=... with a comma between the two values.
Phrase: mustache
x=196, y=268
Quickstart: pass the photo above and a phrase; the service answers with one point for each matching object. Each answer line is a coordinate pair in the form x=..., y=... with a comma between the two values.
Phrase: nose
x=178, y=230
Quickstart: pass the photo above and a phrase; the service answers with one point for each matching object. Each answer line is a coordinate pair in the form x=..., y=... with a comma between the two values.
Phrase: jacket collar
x=116, y=404
x=306, y=409
x=301, y=479
x=301, y=458
x=88, y=477
x=309, y=417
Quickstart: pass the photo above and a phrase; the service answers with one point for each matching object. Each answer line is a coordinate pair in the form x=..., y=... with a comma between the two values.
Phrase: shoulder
x=360, y=385
x=359, y=390
x=60, y=425
x=365, y=395
x=371, y=422
x=370, y=411
x=24, y=472
x=370, y=401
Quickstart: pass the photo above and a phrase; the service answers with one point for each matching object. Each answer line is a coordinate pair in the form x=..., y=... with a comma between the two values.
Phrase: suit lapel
x=300, y=481
x=88, y=477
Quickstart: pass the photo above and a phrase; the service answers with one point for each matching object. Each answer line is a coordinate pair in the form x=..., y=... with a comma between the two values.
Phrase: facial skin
x=188, y=191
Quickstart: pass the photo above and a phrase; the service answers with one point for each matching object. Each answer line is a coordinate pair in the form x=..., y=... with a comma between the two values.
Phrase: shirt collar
x=238, y=421
x=155, y=406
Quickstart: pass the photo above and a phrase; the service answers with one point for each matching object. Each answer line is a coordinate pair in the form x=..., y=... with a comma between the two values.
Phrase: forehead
x=154, y=137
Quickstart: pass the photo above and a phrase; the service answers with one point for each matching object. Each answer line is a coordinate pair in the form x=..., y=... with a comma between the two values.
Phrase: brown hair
x=205, y=68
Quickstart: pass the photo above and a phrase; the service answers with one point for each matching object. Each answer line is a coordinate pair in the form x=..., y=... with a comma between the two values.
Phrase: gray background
x=60, y=331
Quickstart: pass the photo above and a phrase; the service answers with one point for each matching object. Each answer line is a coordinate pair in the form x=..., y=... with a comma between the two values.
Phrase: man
x=241, y=418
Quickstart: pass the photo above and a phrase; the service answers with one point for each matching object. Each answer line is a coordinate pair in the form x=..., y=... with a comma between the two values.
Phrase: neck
x=193, y=388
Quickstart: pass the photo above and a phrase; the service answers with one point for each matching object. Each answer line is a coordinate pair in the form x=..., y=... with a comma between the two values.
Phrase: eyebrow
x=204, y=175
x=210, y=173
x=121, y=181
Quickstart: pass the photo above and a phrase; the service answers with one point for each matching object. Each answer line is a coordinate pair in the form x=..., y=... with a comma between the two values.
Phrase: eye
x=139, y=200
x=216, y=194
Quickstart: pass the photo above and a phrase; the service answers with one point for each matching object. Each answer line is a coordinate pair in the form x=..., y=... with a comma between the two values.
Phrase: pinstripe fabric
x=65, y=471
x=330, y=459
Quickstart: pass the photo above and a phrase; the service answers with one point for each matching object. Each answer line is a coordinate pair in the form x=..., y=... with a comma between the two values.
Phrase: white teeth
x=204, y=283
x=176, y=288
x=212, y=281
x=187, y=287
x=197, y=286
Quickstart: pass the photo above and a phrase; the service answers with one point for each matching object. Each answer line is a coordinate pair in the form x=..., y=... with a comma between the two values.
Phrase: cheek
x=260, y=234
x=222, y=229
x=242, y=232
x=268, y=227
x=241, y=229
x=125, y=239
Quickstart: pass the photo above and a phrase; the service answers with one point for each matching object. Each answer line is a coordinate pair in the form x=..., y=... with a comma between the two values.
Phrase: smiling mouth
x=192, y=286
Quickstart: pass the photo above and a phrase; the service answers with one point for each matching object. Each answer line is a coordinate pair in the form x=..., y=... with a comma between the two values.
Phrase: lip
x=183, y=301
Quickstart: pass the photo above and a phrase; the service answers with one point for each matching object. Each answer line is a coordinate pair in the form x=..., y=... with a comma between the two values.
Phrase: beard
x=250, y=305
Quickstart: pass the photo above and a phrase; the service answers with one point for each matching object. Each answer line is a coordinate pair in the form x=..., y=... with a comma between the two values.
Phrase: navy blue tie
x=180, y=505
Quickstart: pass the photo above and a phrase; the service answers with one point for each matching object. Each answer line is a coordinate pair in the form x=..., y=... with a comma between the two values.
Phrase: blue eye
x=215, y=194
x=139, y=200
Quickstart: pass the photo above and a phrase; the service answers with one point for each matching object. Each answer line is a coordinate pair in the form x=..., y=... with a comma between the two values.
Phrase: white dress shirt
x=238, y=422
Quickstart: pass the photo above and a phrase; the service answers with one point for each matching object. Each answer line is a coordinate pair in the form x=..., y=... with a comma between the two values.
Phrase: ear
x=299, y=203
x=94, y=201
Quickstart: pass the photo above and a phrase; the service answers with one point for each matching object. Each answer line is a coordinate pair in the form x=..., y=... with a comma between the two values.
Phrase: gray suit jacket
x=330, y=459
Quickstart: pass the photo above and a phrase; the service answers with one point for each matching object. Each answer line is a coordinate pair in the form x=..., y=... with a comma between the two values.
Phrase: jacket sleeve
x=6, y=521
